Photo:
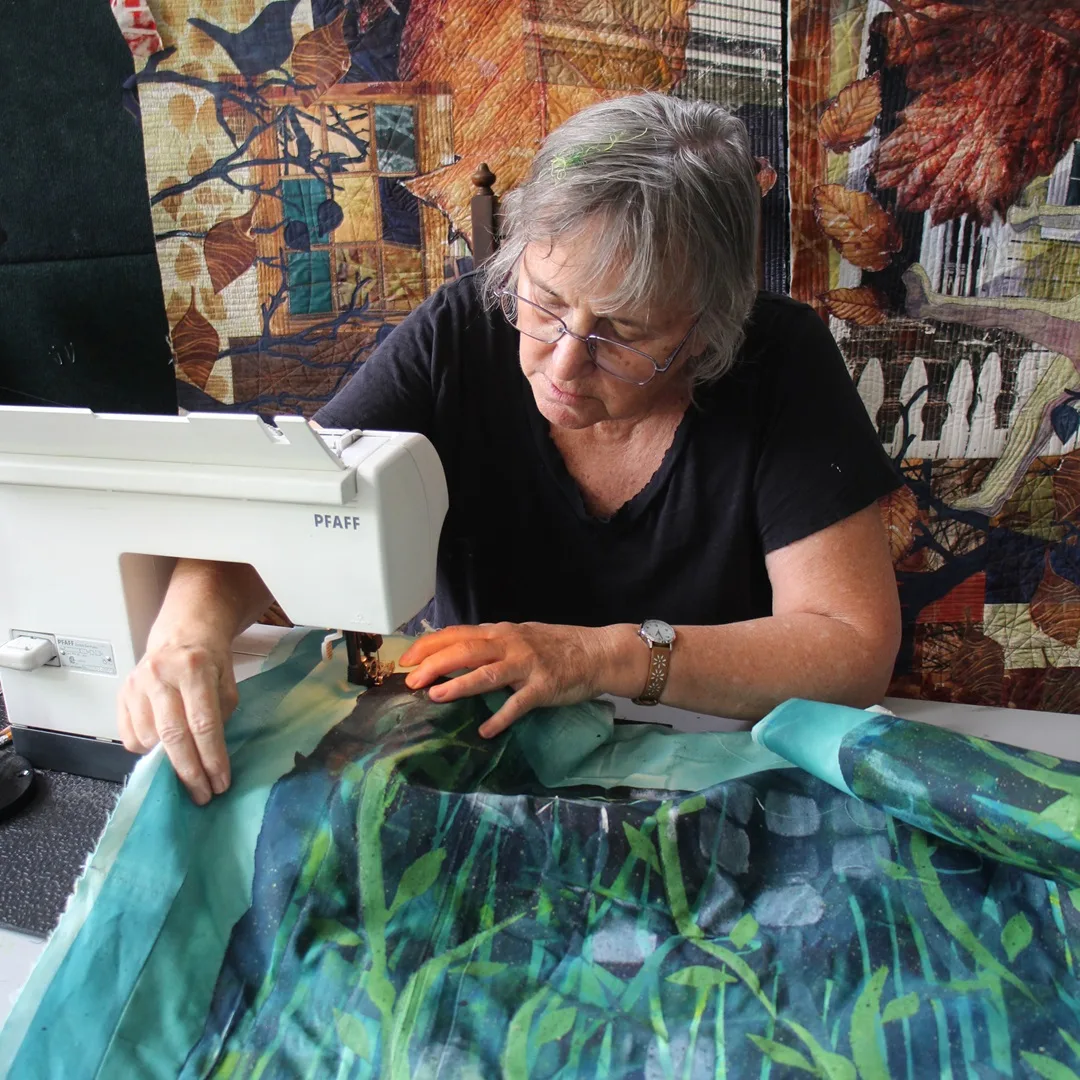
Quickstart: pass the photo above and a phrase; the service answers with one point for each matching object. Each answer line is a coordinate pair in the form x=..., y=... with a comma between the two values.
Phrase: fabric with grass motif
x=384, y=894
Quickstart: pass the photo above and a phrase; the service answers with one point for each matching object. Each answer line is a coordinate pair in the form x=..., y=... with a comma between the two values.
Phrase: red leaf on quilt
x=978, y=666
x=229, y=249
x=766, y=175
x=195, y=345
x=321, y=59
x=862, y=231
x=997, y=102
x=862, y=306
x=849, y=119
x=1055, y=607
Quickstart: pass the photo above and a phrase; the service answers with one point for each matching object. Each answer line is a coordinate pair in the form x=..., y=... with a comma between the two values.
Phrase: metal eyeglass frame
x=590, y=340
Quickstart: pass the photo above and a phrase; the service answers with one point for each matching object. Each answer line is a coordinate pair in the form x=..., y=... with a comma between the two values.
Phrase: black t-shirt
x=777, y=449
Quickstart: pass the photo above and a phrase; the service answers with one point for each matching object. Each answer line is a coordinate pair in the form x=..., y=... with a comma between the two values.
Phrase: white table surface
x=1052, y=733
x=18, y=954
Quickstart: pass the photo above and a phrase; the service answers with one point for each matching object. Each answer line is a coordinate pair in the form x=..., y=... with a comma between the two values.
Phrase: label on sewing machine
x=85, y=654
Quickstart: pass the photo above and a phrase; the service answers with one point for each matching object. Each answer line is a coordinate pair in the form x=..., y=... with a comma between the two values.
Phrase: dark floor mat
x=43, y=846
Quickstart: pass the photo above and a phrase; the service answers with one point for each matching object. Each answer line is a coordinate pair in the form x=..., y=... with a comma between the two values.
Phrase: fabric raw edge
x=87, y=888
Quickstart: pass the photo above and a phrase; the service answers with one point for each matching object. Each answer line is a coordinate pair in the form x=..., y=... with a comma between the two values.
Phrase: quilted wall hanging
x=309, y=165
x=309, y=161
x=935, y=186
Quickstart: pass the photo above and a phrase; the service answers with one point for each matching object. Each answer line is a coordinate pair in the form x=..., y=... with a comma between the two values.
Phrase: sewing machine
x=343, y=527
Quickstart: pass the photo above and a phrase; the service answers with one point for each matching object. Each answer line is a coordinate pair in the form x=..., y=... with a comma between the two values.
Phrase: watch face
x=658, y=631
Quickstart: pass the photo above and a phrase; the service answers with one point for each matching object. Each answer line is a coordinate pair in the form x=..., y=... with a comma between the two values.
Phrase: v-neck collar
x=556, y=468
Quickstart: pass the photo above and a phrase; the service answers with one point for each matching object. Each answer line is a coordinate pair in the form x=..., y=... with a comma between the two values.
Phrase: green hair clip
x=562, y=163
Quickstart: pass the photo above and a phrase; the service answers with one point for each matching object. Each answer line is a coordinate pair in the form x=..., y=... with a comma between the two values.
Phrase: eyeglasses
x=620, y=361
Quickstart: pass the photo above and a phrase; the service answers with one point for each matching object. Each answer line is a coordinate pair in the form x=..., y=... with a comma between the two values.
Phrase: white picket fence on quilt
x=961, y=437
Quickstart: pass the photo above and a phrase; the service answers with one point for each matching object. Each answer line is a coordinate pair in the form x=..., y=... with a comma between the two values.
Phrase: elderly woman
x=662, y=483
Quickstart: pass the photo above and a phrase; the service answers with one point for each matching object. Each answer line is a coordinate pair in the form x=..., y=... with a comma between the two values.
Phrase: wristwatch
x=660, y=637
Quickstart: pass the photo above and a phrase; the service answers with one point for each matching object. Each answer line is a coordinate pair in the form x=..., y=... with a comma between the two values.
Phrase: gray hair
x=670, y=188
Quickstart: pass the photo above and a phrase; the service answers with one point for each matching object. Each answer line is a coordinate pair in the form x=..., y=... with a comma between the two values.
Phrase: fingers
x=123, y=724
x=463, y=652
x=181, y=696
x=428, y=644
x=529, y=658
x=483, y=679
x=517, y=705
x=177, y=740
x=140, y=715
x=228, y=694
x=203, y=708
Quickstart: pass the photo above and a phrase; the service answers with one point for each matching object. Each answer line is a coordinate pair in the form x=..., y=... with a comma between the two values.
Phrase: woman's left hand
x=542, y=664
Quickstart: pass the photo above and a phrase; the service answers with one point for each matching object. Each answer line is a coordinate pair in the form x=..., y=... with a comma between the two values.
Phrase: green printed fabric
x=1017, y=806
x=392, y=896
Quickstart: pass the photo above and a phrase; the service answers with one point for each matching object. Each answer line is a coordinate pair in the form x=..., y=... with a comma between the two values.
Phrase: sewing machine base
x=78, y=754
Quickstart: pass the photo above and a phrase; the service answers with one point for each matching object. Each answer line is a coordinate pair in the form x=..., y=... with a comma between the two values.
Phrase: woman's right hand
x=180, y=694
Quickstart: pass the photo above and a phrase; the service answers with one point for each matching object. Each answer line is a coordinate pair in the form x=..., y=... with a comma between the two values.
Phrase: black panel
x=72, y=180
x=82, y=319
x=77, y=755
x=89, y=333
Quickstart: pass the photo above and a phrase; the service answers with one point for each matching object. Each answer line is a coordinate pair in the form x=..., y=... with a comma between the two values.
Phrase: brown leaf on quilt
x=849, y=120
x=1024, y=687
x=766, y=175
x=212, y=306
x=1055, y=607
x=899, y=513
x=936, y=646
x=320, y=59
x=1061, y=690
x=995, y=102
x=229, y=249
x=1067, y=488
x=195, y=345
x=181, y=111
x=187, y=264
x=175, y=307
x=171, y=203
x=199, y=161
x=978, y=668
x=214, y=195
x=859, y=227
x=198, y=45
x=207, y=121
x=862, y=306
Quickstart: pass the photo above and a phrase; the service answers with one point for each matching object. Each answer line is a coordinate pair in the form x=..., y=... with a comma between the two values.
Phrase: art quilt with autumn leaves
x=308, y=167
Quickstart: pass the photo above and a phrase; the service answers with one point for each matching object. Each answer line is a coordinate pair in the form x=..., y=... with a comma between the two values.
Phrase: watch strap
x=659, y=663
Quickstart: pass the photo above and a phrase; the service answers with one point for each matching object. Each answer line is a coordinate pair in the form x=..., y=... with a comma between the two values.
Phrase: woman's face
x=570, y=390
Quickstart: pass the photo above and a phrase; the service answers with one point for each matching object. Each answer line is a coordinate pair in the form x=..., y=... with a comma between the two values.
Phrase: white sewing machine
x=342, y=526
